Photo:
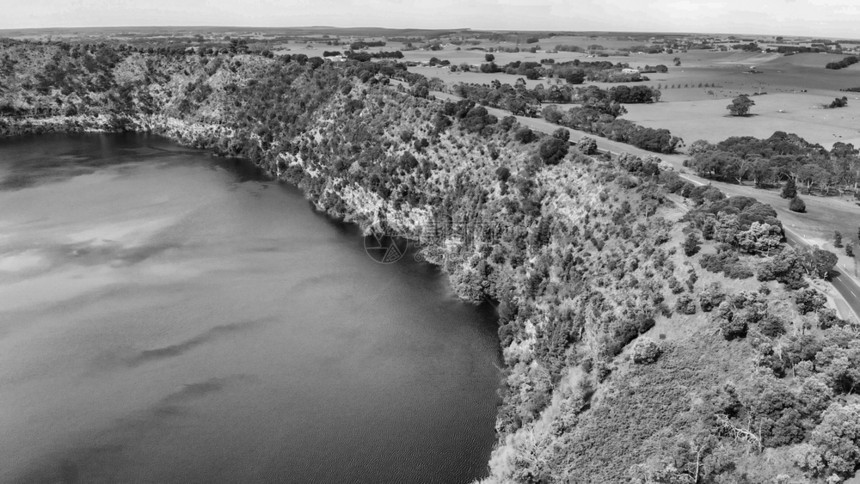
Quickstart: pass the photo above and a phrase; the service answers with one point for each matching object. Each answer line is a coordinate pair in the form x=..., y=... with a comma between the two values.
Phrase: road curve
x=847, y=288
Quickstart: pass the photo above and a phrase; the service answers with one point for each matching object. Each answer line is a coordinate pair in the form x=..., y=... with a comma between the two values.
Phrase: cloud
x=789, y=17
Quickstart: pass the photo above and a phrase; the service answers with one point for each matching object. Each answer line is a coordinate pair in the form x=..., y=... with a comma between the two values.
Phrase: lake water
x=169, y=316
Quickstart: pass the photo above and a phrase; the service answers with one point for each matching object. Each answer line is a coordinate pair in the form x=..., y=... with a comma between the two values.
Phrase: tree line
x=779, y=159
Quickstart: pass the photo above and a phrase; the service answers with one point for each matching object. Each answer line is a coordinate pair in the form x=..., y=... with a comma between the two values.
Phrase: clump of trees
x=576, y=72
x=846, y=62
x=600, y=117
x=839, y=102
x=781, y=159
x=554, y=148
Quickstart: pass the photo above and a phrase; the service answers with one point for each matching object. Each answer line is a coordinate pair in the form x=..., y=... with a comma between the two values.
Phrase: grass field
x=800, y=113
x=696, y=93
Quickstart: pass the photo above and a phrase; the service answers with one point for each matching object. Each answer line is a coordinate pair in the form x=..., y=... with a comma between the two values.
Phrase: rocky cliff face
x=624, y=361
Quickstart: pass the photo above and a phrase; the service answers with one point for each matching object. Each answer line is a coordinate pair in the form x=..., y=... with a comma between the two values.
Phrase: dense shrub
x=691, y=244
x=524, y=135
x=685, y=304
x=553, y=150
x=646, y=351
x=711, y=296
x=733, y=328
x=797, y=205
x=772, y=326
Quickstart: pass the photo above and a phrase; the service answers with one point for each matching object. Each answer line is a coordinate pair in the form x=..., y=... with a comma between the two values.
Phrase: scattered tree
x=741, y=105
x=692, y=244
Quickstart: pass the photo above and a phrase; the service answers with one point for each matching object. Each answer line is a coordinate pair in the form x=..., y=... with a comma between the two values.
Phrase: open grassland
x=793, y=113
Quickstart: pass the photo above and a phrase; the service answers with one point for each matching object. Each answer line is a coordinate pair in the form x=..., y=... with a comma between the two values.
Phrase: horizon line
x=558, y=32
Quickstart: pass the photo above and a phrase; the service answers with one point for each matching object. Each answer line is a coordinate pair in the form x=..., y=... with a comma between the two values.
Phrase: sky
x=824, y=18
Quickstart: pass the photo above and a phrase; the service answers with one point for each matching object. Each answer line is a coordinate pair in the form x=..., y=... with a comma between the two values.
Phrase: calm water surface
x=167, y=316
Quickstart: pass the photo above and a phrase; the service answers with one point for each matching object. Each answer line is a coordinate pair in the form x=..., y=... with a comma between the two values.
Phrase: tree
x=711, y=296
x=562, y=134
x=837, y=239
x=524, y=135
x=834, y=445
x=726, y=228
x=588, y=146
x=553, y=150
x=809, y=300
x=760, y=238
x=820, y=262
x=646, y=351
x=733, y=327
x=849, y=249
x=685, y=304
x=786, y=267
x=552, y=114
x=789, y=190
x=489, y=57
x=741, y=105
x=691, y=244
x=797, y=205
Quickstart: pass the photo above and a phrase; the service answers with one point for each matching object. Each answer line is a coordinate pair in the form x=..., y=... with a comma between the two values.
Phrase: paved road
x=843, y=283
x=847, y=286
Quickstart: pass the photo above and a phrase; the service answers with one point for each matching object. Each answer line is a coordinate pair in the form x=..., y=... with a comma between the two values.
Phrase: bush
x=772, y=326
x=553, y=150
x=838, y=103
x=524, y=135
x=711, y=297
x=726, y=262
x=738, y=271
x=827, y=318
x=691, y=244
x=587, y=146
x=733, y=328
x=685, y=304
x=797, y=205
x=646, y=351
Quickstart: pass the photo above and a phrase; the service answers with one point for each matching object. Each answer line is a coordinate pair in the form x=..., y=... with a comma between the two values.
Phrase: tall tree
x=790, y=191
